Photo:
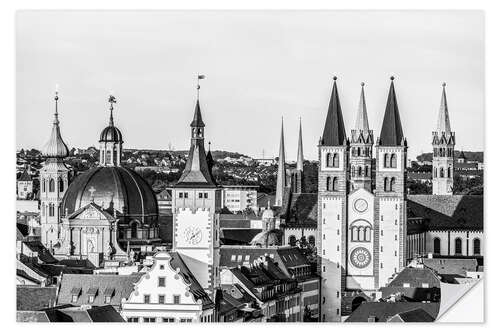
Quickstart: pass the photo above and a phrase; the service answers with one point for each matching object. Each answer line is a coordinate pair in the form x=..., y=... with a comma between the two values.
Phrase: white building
x=168, y=292
x=238, y=198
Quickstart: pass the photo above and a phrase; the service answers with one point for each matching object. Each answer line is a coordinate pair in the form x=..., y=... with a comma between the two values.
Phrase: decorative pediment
x=91, y=212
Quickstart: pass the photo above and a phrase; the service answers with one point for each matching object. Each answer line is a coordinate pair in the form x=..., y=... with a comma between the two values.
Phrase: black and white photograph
x=249, y=166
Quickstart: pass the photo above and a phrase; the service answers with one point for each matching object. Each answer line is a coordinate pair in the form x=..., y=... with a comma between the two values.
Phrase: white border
x=7, y=93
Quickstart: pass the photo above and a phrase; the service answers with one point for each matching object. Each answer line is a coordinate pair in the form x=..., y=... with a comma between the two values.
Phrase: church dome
x=267, y=238
x=112, y=187
x=111, y=134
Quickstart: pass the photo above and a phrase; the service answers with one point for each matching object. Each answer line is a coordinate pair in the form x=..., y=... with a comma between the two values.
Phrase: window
x=354, y=234
x=186, y=320
x=247, y=257
x=387, y=161
x=74, y=298
x=437, y=245
x=200, y=195
x=406, y=285
x=186, y=195
x=392, y=187
x=162, y=267
x=425, y=285
x=91, y=299
x=147, y=299
x=233, y=257
x=43, y=185
x=476, y=247
x=181, y=195
x=335, y=184
x=51, y=185
x=360, y=171
x=61, y=185
x=161, y=282
x=458, y=246
x=292, y=240
x=386, y=184
x=149, y=319
x=328, y=160
x=335, y=160
x=51, y=209
x=168, y=320
x=177, y=299
x=107, y=299
x=133, y=319
x=161, y=299
x=311, y=240
x=328, y=183
x=393, y=160
x=205, y=195
x=441, y=172
x=449, y=172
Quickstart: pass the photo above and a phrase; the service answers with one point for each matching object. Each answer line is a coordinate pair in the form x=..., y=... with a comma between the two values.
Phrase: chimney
x=372, y=319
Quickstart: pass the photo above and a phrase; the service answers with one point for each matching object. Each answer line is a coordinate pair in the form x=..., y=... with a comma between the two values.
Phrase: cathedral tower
x=333, y=179
x=390, y=194
x=281, y=176
x=111, y=141
x=361, y=148
x=53, y=183
x=196, y=199
x=443, y=144
x=298, y=173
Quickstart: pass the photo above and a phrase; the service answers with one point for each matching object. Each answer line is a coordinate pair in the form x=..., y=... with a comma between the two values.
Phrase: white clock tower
x=195, y=199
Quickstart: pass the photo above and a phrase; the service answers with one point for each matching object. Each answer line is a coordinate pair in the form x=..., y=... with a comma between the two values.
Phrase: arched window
x=133, y=231
x=437, y=245
x=52, y=186
x=61, y=185
x=43, y=185
x=328, y=159
x=392, y=187
x=476, y=247
x=354, y=233
x=367, y=171
x=328, y=183
x=386, y=184
x=335, y=184
x=43, y=210
x=311, y=240
x=393, y=160
x=51, y=209
x=359, y=151
x=449, y=172
x=435, y=172
x=360, y=171
x=387, y=161
x=335, y=160
x=441, y=172
x=292, y=240
x=358, y=234
x=458, y=246
x=368, y=234
x=108, y=157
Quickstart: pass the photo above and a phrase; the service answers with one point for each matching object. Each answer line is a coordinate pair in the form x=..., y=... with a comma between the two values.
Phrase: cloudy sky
x=259, y=66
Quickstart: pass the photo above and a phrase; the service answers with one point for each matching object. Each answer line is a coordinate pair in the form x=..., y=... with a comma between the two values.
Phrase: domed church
x=108, y=212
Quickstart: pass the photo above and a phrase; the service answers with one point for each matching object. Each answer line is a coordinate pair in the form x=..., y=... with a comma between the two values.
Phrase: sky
x=260, y=66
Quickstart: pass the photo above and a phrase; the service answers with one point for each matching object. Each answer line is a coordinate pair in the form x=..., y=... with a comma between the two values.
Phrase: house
x=383, y=311
x=168, y=292
x=68, y=313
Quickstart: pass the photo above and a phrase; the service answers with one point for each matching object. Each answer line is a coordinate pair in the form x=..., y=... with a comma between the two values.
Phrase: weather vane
x=200, y=77
x=111, y=100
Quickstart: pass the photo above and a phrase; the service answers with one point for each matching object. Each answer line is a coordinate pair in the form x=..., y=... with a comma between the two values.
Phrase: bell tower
x=111, y=140
x=54, y=179
x=361, y=148
x=443, y=144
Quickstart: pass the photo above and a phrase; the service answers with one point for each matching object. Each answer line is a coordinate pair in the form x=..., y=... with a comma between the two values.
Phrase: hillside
x=469, y=155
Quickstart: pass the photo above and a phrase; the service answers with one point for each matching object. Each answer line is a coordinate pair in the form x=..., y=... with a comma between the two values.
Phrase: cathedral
x=106, y=213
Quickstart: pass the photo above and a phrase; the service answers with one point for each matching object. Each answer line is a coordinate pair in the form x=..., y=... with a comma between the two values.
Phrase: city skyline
x=152, y=72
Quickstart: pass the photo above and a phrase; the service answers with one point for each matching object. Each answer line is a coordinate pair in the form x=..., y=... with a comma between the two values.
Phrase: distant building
x=238, y=198
x=265, y=161
x=25, y=186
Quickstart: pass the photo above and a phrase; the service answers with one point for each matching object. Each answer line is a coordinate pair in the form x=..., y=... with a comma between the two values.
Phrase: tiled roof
x=301, y=210
x=415, y=277
x=123, y=286
x=384, y=310
x=25, y=176
x=228, y=303
x=412, y=316
x=451, y=266
x=43, y=254
x=194, y=286
x=31, y=298
x=238, y=236
x=67, y=313
x=463, y=212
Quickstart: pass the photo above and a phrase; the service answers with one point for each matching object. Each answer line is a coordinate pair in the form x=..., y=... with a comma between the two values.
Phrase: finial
x=444, y=84
x=209, y=143
x=392, y=77
x=200, y=77
x=362, y=84
x=56, y=99
x=334, y=78
x=111, y=100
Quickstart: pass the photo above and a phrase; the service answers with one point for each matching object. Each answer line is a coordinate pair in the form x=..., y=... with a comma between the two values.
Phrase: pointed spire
x=362, y=117
x=334, y=131
x=392, y=131
x=300, y=153
x=443, y=123
x=281, y=177
x=197, y=120
x=56, y=147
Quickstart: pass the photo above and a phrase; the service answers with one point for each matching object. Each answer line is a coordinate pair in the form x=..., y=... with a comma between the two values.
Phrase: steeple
x=392, y=131
x=281, y=177
x=197, y=172
x=110, y=140
x=334, y=131
x=443, y=123
x=55, y=147
x=300, y=153
x=362, y=117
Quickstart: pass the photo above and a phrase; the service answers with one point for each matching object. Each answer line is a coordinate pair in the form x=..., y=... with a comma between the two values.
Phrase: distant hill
x=216, y=154
x=469, y=155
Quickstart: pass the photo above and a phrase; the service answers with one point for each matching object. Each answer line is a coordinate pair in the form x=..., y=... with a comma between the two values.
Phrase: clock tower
x=196, y=199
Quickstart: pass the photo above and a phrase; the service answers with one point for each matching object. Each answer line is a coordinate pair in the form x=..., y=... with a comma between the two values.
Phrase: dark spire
x=197, y=120
x=210, y=159
x=334, y=132
x=392, y=132
x=300, y=152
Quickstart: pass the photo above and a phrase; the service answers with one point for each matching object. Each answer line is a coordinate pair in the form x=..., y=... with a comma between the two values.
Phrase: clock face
x=360, y=205
x=192, y=235
x=360, y=257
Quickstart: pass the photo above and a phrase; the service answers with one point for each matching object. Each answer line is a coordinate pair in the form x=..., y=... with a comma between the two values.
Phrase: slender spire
x=56, y=147
x=111, y=100
x=392, y=131
x=300, y=153
x=362, y=117
x=443, y=123
x=197, y=120
x=334, y=131
x=281, y=177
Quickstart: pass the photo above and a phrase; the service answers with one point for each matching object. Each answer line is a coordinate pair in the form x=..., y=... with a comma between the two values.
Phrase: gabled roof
x=415, y=277
x=412, y=316
x=93, y=206
x=334, y=131
x=445, y=212
x=31, y=298
x=392, y=131
x=25, y=176
x=177, y=262
x=382, y=311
